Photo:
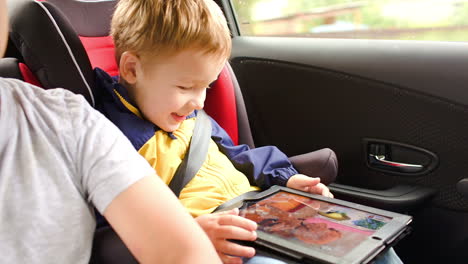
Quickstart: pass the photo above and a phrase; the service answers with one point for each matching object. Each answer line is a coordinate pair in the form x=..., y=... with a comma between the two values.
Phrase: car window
x=439, y=20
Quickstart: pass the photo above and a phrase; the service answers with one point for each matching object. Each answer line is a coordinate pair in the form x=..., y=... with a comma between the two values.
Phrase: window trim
x=231, y=17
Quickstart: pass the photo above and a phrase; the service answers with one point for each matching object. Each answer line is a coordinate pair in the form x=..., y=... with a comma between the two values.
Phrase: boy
x=51, y=176
x=168, y=53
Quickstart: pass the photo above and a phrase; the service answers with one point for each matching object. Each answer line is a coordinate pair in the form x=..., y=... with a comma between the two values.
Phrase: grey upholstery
x=9, y=68
x=89, y=18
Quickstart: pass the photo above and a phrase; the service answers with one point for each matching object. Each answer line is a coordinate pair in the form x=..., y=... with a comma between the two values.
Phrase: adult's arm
x=156, y=228
x=124, y=188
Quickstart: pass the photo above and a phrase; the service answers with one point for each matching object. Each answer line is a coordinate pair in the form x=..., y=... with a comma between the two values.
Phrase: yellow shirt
x=216, y=182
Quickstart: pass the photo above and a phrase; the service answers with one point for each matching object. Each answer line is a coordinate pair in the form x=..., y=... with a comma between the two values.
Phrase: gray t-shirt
x=58, y=158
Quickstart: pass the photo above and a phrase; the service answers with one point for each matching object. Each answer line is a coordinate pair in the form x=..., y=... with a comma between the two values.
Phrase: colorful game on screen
x=323, y=226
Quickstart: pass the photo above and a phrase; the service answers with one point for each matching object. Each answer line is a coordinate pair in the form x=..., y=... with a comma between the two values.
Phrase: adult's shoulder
x=26, y=91
x=59, y=101
x=56, y=110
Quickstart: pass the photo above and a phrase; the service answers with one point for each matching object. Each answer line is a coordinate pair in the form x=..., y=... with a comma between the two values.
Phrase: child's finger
x=302, y=182
x=233, y=249
x=234, y=232
x=234, y=211
x=321, y=189
x=226, y=259
x=239, y=221
x=306, y=180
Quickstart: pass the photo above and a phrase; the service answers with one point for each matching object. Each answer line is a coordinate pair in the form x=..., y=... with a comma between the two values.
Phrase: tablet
x=314, y=228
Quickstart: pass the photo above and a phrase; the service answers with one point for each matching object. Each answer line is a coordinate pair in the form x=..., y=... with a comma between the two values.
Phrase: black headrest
x=9, y=68
x=89, y=18
x=50, y=47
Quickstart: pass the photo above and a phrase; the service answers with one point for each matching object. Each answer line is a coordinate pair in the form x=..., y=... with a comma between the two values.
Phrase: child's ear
x=128, y=67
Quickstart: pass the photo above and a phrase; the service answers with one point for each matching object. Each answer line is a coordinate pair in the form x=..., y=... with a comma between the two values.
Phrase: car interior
x=402, y=100
x=394, y=112
x=64, y=52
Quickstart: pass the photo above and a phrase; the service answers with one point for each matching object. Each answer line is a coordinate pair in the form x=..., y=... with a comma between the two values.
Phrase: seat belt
x=195, y=155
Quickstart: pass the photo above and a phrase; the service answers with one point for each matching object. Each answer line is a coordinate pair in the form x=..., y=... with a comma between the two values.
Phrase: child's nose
x=199, y=100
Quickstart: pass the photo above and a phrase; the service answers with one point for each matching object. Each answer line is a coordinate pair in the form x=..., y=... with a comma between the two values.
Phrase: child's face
x=169, y=89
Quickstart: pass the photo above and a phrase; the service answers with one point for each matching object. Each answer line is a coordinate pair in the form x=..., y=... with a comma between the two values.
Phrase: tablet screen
x=330, y=228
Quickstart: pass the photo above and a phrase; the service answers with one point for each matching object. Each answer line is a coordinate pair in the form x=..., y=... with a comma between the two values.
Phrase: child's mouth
x=178, y=118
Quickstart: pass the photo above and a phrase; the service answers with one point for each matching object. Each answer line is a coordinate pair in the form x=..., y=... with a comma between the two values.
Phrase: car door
x=394, y=111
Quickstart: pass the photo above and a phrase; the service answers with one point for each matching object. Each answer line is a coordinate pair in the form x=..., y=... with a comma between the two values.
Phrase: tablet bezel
x=363, y=253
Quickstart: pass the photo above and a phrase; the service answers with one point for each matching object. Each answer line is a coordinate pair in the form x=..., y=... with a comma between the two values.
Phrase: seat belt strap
x=195, y=155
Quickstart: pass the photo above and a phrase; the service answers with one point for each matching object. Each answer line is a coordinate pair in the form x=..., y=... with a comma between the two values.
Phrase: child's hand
x=229, y=225
x=308, y=184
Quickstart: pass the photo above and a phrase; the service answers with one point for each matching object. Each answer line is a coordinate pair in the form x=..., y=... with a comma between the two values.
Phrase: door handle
x=380, y=161
x=398, y=158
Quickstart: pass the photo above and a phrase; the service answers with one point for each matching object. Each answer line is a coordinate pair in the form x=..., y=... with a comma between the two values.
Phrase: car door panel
x=305, y=94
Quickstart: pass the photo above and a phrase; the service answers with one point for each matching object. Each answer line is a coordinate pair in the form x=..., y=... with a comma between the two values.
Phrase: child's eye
x=184, y=87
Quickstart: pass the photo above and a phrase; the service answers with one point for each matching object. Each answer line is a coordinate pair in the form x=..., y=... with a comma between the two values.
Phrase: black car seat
x=51, y=52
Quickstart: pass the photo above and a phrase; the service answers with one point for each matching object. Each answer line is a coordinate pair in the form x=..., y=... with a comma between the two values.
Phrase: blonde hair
x=153, y=27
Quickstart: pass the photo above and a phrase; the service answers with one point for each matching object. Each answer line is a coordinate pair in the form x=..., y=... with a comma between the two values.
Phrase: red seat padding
x=28, y=76
x=221, y=104
x=101, y=52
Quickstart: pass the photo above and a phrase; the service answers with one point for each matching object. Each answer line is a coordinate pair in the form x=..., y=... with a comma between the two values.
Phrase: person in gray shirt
x=59, y=158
